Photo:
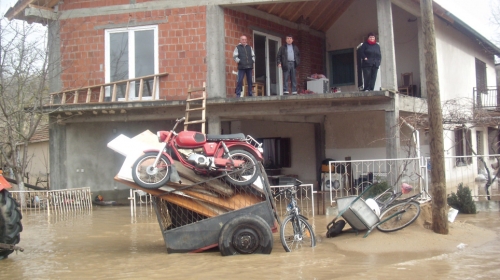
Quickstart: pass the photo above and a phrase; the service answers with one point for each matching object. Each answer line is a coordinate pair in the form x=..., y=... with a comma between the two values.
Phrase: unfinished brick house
x=189, y=42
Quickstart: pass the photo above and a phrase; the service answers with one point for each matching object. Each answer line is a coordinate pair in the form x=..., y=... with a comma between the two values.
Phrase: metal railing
x=348, y=177
x=110, y=92
x=471, y=173
x=141, y=198
x=60, y=201
x=305, y=199
x=487, y=98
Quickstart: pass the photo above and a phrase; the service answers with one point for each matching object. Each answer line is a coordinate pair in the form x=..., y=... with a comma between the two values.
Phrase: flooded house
x=157, y=49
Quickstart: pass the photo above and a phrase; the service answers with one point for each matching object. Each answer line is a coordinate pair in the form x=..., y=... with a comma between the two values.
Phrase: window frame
x=462, y=136
x=352, y=79
x=131, y=56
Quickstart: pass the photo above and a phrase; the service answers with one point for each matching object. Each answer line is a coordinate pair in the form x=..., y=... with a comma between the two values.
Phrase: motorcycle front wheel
x=150, y=176
x=247, y=173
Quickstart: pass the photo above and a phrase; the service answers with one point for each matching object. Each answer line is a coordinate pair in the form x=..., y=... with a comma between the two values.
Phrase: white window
x=131, y=53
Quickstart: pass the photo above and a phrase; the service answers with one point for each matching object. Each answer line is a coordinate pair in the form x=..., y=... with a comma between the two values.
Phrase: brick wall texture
x=182, y=45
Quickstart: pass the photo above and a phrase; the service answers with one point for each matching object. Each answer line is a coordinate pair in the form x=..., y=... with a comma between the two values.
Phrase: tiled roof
x=41, y=134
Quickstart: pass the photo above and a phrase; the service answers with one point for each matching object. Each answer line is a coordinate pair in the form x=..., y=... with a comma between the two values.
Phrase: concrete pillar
x=214, y=126
x=386, y=40
x=392, y=133
x=54, y=56
x=421, y=56
x=57, y=148
x=216, y=61
x=304, y=68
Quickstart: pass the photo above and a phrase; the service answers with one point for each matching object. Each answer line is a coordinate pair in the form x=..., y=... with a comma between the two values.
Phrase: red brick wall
x=312, y=50
x=182, y=48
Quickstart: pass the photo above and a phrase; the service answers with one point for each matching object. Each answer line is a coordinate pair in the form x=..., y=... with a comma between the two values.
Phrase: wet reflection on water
x=107, y=243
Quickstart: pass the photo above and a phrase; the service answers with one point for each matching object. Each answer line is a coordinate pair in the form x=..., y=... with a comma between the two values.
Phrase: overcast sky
x=476, y=13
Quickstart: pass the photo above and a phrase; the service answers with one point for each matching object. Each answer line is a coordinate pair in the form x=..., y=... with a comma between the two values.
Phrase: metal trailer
x=199, y=216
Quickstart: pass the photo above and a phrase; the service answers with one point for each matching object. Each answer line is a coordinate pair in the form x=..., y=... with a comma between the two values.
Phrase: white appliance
x=321, y=85
x=336, y=183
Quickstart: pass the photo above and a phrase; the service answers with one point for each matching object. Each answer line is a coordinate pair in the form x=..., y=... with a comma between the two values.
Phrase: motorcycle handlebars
x=178, y=121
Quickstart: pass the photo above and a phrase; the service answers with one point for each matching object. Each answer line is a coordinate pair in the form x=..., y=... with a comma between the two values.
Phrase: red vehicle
x=10, y=220
x=234, y=155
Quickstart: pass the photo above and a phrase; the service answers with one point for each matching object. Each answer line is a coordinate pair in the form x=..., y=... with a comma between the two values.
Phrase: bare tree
x=23, y=91
x=459, y=113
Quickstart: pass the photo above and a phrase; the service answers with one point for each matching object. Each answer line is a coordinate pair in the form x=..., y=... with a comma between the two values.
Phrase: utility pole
x=438, y=178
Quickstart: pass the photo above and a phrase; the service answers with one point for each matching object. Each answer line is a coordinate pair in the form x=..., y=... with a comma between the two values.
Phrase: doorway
x=266, y=69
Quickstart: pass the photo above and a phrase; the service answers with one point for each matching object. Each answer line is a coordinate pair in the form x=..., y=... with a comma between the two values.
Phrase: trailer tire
x=247, y=234
x=10, y=222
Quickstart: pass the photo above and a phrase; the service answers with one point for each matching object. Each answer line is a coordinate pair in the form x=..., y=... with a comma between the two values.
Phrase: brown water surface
x=107, y=244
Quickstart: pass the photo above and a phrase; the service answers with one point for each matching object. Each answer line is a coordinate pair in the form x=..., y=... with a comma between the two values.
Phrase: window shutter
x=468, y=149
x=458, y=145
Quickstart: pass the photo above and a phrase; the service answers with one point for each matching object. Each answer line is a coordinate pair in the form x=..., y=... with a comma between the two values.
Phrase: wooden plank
x=192, y=122
x=141, y=87
x=194, y=99
x=214, y=185
x=113, y=96
x=75, y=97
x=89, y=95
x=195, y=109
x=196, y=89
x=153, y=91
x=127, y=91
x=101, y=94
x=181, y=201
x=234, y=202
x=204, y=111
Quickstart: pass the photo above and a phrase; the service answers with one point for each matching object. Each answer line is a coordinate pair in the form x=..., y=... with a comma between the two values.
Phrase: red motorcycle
x=235, y=155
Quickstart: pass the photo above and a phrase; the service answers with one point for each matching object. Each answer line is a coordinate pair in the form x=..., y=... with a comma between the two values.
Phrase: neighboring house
x=37, y=170
x=95, y=42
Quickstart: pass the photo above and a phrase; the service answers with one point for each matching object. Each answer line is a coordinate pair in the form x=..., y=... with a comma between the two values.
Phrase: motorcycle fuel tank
x=190, y=139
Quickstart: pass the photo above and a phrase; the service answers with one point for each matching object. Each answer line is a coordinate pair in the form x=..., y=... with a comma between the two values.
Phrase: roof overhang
x=33, y=11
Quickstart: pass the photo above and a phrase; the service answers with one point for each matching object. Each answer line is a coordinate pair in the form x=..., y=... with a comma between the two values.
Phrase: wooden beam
x=336, y=15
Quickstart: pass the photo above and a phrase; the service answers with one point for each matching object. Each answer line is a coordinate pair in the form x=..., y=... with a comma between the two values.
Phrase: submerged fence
x=60, y=201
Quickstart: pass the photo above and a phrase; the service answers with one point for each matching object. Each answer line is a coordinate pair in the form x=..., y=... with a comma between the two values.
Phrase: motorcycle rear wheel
x=148, y=176
x=249, y=170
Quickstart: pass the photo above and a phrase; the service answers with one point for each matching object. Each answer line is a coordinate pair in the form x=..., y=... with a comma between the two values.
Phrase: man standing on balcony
x=289, y=59
x=245, y=57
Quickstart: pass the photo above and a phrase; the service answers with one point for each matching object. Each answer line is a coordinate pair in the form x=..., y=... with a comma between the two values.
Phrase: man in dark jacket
x=289, y=59
x=369, y=55
x=245, y=57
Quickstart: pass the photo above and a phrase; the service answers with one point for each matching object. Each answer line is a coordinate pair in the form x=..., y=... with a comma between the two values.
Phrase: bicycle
x=397, y=213
x=295, y=231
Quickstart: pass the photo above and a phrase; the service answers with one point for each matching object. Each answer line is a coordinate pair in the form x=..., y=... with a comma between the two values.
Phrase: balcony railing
x=487, y=98
x=143, y=88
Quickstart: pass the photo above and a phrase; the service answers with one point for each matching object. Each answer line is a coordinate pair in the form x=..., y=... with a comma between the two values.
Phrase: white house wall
x=302, y=143
x=456, y=62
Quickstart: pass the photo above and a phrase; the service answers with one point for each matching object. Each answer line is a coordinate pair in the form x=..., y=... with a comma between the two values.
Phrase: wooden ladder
x=195, y=101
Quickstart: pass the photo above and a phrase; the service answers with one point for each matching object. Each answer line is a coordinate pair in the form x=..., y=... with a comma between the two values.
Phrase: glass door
x=266, y=68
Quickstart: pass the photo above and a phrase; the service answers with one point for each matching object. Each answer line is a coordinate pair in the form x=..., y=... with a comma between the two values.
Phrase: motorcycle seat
x=226, y=137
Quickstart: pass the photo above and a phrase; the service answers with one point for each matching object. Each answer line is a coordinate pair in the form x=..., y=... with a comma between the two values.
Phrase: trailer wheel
x=247, y=234
x=10, y=222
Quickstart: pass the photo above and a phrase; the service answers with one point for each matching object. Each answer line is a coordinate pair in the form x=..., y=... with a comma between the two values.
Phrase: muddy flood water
x=107, y=244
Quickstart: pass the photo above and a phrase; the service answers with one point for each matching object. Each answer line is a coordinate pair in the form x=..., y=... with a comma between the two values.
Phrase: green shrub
x=462, y=200
x=376, y=189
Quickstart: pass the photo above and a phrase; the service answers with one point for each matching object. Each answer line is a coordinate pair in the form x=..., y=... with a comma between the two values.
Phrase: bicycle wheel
x=399, y=216
x=296, y=233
